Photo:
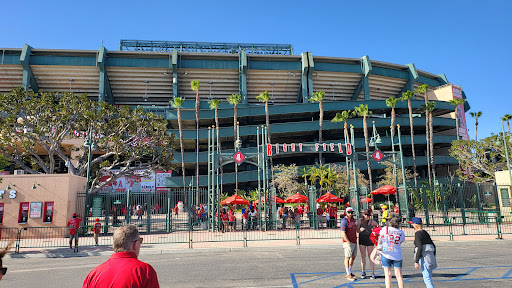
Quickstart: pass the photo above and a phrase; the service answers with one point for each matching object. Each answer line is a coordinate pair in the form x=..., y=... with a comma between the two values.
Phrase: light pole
x=89, y=143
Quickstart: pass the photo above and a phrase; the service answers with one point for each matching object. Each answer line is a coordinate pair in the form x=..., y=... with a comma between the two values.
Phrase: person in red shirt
x=349, y=234
x=73, y=226
x=225, y=218
x=96, y=229
x=123, y=269
x=396, y=208
x=319, y=215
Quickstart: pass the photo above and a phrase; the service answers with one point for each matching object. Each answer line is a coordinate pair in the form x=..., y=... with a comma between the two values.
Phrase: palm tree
x=318, y=97
x=423, y=89
x=507, y=117
x=194, y=85
x=407, y=96
x=264, y=98
x=456, y=102
x=362, y=111
x=343, y=117
x=177, y=102
x=476, y=115
x=214, y=105
x=429, y=107
x=235, y=99
x=391, y=102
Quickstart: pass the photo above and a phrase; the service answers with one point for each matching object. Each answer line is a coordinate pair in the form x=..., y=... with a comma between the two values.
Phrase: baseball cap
x=415, y=220
x=367, y=212
x=74, y=214
x=349, y=209
x=384, y=207
x=97, y=219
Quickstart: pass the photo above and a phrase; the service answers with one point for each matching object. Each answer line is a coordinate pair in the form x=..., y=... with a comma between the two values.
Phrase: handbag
x=375, y=256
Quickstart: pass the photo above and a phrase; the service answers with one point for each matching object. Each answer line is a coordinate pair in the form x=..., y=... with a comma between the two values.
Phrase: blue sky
x=469, y=41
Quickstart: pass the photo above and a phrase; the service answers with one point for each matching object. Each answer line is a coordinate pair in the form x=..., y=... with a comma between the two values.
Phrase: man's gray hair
x=124, y=237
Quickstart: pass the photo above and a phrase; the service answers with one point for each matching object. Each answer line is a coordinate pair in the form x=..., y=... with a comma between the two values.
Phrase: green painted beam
x=311, y=69
x=274, y=65
x=337, y=67
x=443, y=78
x=358, y=89
x=307, y=126
x=28, y=79
x=304, y=77
x=242, y=70
x=63, y=60
x=226, y=110
x=413, y=77
x=104, y=91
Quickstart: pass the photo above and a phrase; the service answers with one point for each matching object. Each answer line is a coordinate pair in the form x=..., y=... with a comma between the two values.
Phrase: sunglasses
x=140, y=240
x=350, y=212
x=3, y=270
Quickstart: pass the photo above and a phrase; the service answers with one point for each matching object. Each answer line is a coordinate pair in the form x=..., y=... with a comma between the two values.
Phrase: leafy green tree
x=485, y=157
x=388, y=178
x=317, y=98
x=235, y=99
x=407, y=96
x=195, y=85
x=362, y=111
x=37, y=129
x=177, y=102
x=456, y=102
x=507, y=118
x=476, y=115
x=286, y=180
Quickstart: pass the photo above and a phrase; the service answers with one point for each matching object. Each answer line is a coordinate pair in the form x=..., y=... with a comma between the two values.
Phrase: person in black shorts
x=365, y=226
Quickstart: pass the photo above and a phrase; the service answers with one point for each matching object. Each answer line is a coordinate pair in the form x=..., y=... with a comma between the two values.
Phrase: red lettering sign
x=349, y=149
x=269, y=150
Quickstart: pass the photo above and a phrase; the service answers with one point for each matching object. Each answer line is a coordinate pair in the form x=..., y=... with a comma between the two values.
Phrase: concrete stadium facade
x=152, y=79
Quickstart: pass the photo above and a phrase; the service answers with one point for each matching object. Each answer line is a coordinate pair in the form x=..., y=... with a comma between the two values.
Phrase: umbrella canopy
x=297, y=198
x=363, y=199
x=278, y=200
x=235, y=199
x=328, y=197
x=385, y=190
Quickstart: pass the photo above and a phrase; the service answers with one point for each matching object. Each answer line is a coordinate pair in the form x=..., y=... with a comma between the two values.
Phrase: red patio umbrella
x=235, y=199
x=297, y=198
x=385, y=190
x=328, y=197
x=278, y=200
x=363, y=199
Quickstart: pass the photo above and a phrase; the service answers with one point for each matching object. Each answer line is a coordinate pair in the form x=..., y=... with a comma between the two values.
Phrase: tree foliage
x=286, y=179
x=37, y=131
x=485, y=157
x=388, y=178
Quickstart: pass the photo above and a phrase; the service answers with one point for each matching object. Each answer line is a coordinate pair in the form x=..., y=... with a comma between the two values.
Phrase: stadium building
x=151, y=73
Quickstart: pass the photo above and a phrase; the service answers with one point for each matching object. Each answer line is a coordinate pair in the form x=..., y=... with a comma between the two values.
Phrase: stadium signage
x=300, y=147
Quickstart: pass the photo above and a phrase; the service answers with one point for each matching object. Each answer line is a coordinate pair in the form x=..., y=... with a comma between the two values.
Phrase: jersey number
x=394, y=239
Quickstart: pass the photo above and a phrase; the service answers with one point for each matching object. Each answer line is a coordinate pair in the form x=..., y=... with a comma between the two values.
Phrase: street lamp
x=89, y=143
x=375, y=139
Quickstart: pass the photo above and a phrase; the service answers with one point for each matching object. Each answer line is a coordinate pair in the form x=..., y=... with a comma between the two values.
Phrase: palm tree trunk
x=393, y=119
x=412, y=142
x=346, y=131
x=367, y=146
x=197, y=147
x=321, y=123
x=508, y=126
x=427, y=137
x=182, y=150
x=235, y=119
x=432, y=164
x=476, y=130
x=220, y=149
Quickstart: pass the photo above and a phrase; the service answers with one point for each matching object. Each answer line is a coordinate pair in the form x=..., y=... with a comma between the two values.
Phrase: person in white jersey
x=390, y=244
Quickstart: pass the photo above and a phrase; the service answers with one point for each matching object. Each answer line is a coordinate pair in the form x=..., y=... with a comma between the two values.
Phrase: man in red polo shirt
x=348, y=232
x=123, y=269
x=73, y=226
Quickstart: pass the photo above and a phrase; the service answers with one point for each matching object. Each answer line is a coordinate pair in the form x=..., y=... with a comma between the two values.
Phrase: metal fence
x=243, y=233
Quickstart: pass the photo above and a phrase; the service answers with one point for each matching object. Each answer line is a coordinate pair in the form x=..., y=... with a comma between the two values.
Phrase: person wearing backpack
x=424, y=251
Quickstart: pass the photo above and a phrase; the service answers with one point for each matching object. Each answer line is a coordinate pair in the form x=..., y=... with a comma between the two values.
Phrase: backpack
x=374, y=236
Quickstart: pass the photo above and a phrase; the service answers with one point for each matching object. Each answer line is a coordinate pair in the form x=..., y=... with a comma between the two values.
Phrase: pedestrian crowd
x=382, y=245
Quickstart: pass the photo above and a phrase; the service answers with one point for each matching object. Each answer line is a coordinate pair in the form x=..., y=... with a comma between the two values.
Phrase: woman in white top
x=390, y=244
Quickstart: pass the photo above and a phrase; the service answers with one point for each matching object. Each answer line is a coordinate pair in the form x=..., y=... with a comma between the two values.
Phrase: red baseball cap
x=97, y=220
x=74, y=214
